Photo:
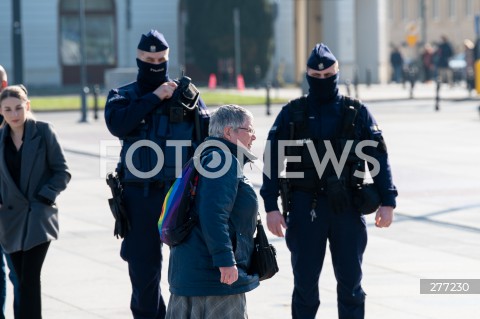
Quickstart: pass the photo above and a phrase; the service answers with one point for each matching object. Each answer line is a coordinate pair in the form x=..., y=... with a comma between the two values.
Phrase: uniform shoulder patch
x=116, y=97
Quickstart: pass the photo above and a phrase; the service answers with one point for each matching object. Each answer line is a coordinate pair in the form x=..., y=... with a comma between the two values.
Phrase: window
x=423, y=8
x=468, y=8
x=452, y=9
x=404, y=10
x=391, y=9
x=99, y=32
x=435, y=10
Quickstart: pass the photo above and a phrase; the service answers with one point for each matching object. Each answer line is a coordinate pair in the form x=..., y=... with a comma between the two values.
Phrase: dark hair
x=16, y=91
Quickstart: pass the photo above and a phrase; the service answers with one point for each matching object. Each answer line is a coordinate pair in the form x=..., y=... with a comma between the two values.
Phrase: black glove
x=45, y=200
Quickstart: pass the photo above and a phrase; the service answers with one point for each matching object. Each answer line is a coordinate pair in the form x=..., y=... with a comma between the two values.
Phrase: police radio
x=183, y=100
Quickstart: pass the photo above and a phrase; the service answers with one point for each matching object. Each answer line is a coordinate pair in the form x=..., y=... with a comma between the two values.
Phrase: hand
x=165, y=91
x=384, y=216
x=45, y=200
x=275, y=222
x=228, y=275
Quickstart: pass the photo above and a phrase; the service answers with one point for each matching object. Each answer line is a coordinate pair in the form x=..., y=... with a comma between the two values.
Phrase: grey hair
x=3, y=74
x=227, y=115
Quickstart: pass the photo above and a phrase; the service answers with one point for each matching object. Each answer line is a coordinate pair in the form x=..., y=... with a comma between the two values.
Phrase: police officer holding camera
x=160, y=122
x=329, y=201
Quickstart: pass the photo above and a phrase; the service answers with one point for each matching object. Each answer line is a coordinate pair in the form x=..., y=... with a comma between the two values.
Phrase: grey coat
x=25, y=222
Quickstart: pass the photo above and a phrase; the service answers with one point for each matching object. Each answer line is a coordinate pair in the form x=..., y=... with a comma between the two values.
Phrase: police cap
x=153, y=41
x=321, y=58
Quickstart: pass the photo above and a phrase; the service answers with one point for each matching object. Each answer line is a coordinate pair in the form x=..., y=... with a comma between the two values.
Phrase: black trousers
x=28, y=266
x=307, y=236
x=142, y=249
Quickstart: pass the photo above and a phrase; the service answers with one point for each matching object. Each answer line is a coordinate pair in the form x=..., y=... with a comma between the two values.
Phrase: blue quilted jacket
x=227, y=207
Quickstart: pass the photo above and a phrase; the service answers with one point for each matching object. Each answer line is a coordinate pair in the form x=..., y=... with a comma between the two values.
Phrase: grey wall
x=372, y=44
x=339, y=23
x=284, y=41
x=40, y=36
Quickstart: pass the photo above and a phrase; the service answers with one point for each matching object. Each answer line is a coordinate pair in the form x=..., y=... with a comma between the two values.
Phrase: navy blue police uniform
x=313, y=216
x=154, y=149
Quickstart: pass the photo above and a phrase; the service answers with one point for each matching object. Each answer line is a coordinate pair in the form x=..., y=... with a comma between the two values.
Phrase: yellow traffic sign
x=412, y=39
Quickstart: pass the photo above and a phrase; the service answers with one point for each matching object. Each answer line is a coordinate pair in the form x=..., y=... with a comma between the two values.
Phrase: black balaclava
x=322, y=90
x=150, y=76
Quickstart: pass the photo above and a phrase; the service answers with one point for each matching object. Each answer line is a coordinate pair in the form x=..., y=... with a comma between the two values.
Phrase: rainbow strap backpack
x=178, y=216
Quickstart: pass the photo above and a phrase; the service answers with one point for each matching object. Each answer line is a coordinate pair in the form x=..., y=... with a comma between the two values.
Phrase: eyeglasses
x=249, y=130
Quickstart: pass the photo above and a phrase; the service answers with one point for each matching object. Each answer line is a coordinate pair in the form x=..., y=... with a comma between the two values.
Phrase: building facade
x=359, y=32
x=415, y=22
x=355, y=30
x=51, y=37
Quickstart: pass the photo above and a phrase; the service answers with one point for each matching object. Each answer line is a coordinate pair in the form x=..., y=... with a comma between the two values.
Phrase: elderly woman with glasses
x=208, y=271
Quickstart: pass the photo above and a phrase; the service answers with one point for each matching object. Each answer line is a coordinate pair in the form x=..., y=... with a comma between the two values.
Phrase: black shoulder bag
x=264, y=260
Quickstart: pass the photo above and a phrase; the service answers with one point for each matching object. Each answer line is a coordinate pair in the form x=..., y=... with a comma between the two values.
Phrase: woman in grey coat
x=33, y=171
x=208, y=271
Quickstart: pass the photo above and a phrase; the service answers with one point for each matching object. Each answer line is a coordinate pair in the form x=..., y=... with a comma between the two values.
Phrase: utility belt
x=365, y=198
x=148, y=186
x=155, y=184
x=299, y=184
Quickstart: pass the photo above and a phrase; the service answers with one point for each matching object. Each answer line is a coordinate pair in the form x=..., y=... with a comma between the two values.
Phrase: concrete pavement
x=381, y=92
x=436, y=233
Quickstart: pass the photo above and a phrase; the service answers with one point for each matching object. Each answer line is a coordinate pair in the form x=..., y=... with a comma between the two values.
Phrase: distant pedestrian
x=468, y=48
x=396, y=61
x=3, y=270
x=33, y=171
x=443, y=55
x=427, y=62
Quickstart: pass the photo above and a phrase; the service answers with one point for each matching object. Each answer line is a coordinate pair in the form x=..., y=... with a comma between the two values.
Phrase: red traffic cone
x=240, y=83
x=212, y=81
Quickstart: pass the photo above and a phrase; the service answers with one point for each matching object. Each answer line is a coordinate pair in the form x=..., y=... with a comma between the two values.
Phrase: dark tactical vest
x=300, y=133
x=152, y=139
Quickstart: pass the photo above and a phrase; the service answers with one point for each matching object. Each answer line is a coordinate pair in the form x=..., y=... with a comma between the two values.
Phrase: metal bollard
x=268, y=102
x=84, y=106
x=347, y=85
x=437, y=97
x=412, y=79
x=369, y=77
x=96, y=92
x=470, y=81
x=355, y=84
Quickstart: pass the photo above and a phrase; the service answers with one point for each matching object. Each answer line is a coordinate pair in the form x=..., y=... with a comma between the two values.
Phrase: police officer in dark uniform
x=327, y=202
x=159, y=129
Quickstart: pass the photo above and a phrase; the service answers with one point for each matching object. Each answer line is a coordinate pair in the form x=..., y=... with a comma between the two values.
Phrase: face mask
x=151, y=76
x=323, y=90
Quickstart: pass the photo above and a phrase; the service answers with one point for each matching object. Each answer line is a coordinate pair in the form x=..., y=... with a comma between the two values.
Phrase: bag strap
x=259, y=219
x=297, y=110
x=351, y=108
